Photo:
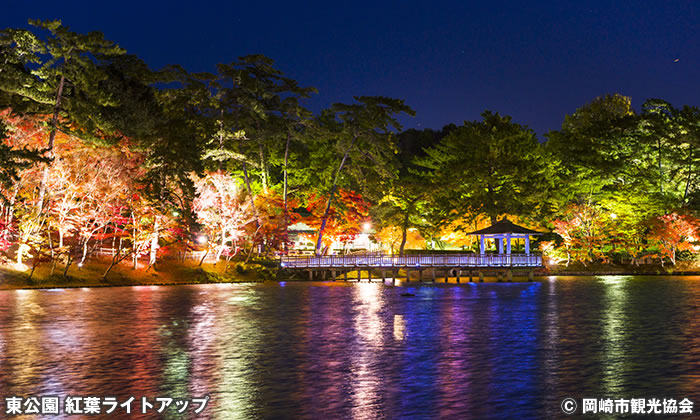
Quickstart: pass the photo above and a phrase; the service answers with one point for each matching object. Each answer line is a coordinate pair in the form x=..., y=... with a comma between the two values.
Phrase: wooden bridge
x=451, y=265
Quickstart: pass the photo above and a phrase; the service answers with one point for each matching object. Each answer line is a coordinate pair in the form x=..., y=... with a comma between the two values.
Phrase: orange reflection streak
x=614, y=321
x=366, y=385
x=238, y=343
x=4, y=320
x=144, y=370
x=201, y=340
x=399, y=327
x=24, y=344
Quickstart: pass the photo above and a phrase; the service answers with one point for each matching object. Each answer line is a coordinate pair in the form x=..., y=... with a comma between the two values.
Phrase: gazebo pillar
x=527, y=244
x=504, y=230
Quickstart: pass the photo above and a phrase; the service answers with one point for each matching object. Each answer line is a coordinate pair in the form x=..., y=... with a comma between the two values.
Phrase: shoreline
x=621, y=273
x=3, y=287
x=170, y=275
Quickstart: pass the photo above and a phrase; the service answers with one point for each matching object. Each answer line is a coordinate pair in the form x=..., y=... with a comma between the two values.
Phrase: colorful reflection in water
x=314, y=350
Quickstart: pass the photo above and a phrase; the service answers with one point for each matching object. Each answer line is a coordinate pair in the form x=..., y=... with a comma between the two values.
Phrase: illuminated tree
x=673, y=232
x=585, y=231
x=361, y=139
x=13, y=161
x=342, y=223
x=274, y=221
x=670, y=139
x=595, y=146
x=491, y=167
x=400, y=208
x=222, y=211
x=389, y=236
x=71, y=67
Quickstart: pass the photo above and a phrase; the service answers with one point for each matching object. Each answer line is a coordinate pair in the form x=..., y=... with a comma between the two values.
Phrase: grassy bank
x=166, y=272
x=171, y=272
x=681, y=268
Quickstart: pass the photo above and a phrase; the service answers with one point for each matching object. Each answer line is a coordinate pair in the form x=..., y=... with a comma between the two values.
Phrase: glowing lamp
x=201, y=239
x=366, y=226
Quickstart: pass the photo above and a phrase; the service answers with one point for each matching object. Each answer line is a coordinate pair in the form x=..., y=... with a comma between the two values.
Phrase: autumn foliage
x=674, y=232
x=345, y=218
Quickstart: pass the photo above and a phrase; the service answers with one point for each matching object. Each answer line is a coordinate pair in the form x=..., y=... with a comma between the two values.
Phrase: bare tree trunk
x=258, y=222
x=35, y=263
x=154, y=242
x=252, y=246
x=68, y=263
x=404, y=228
x=133, y=242
x=82, y=260
x=10, y=207
x=20, y=253
x=221, y=248
x=285, y=190
x=53, y=256
x=116, y=258
x=221, y=137
x=264, y=176
x=319, y=242
x=250, y=193
x=204, y=256
x=52, y=138
x=661, y=172
x=687, y=182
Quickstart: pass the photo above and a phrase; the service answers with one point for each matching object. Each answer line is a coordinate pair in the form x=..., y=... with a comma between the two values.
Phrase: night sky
x=535, y=61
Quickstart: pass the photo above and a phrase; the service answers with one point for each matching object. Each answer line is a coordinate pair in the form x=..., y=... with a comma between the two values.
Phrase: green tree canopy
x=491, y=168
x=358, y=147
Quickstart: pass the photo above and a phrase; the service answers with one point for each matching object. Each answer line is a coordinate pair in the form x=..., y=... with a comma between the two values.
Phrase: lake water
x=335, y=350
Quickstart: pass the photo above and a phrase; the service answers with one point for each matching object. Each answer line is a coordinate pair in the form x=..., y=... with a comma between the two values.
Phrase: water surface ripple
x=362, y=351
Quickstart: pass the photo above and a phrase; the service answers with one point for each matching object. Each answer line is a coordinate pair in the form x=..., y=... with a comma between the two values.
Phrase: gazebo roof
x=503, y=227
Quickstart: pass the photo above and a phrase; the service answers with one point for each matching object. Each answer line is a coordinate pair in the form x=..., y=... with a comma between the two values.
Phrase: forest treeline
x=99, y=150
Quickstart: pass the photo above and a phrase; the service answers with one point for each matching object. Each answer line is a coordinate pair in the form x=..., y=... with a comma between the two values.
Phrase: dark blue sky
x=535, y=61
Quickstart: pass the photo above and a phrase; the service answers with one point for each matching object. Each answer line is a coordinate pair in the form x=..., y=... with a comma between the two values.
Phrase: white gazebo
x=504, y=231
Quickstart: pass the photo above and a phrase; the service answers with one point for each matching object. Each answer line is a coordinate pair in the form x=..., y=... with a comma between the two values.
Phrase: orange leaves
x=674, y=232
x=25, y=131
x=345, y=219
x=389, y=236
x=273, y=226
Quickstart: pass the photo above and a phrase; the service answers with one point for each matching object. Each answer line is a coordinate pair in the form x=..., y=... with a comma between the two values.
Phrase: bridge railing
x=413, y=260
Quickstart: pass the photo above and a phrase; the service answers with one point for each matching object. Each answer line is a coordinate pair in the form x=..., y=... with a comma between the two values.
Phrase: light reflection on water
x=508, y=350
